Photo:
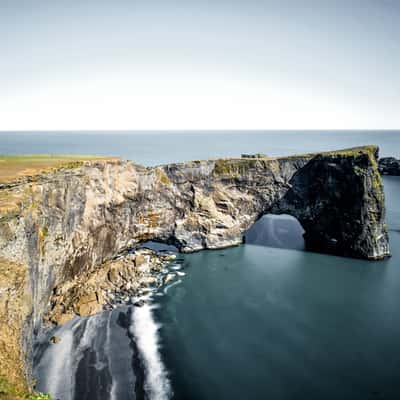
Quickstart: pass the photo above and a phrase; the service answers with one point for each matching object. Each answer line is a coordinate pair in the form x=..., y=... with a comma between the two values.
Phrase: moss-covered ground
x=9, y=391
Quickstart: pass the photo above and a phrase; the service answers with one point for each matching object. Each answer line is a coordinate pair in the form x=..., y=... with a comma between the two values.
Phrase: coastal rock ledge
x=67, y=220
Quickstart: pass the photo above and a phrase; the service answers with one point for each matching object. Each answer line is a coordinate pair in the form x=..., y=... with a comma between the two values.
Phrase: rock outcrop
x=389, y=166
x=118, y=281
x=340, y=204
x=69, y=221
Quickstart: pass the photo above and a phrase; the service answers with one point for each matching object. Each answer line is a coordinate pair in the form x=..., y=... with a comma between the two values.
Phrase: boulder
x=389, y=166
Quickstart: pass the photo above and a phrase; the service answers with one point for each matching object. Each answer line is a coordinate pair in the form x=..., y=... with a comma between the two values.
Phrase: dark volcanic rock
x=340, y=204
x=139, y=303
x=389, y=166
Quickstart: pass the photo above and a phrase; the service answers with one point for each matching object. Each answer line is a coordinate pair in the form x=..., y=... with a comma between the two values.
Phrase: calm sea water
x=250, y=322
x=150, y=148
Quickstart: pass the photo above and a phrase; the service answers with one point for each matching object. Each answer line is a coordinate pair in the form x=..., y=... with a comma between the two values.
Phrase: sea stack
x=389, y=166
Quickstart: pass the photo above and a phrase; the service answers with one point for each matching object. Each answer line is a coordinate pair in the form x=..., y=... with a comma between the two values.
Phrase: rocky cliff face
x=71, y=220
x=15, y=307
x=389, y=166
x=340, y=204
x=119, y=281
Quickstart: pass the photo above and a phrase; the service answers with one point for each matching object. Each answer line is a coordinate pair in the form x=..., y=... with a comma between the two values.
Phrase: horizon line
x=180, y=130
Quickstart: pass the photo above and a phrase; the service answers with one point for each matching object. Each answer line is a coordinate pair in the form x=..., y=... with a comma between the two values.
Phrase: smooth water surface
x=155, y=147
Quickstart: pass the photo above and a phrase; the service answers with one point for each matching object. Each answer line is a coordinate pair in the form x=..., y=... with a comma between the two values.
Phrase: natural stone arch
x=73, y=218
x=337, y=197
x=276, y=230
x=340, y=204
x=78, y=217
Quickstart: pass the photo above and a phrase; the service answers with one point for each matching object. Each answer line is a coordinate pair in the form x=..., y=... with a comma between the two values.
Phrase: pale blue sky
x=254, y=64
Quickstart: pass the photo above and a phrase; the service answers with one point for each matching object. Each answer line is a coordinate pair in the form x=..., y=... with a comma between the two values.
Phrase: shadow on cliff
x=340, y=204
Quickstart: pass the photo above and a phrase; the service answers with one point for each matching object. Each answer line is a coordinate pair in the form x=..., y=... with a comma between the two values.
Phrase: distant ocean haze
x=159, y=147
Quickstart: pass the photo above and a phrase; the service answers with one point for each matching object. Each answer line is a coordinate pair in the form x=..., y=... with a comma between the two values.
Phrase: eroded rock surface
x=15, y=307
x=340, y=205
x=117, y=281
x=69, y=222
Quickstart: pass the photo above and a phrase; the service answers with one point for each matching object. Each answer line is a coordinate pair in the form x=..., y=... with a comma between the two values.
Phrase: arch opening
x=159, y=246
x=281, y=231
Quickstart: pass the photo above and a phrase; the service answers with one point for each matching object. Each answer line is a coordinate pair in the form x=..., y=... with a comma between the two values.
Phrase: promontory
x=60, y=217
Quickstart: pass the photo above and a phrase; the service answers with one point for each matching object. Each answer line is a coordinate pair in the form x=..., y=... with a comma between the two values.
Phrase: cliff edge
x=59, y=222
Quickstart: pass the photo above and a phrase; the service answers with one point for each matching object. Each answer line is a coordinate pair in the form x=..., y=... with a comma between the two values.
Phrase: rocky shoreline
x=121, y=281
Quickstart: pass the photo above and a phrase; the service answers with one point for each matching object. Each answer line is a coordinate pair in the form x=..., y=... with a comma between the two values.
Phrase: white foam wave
x=145, y=332
x=171, y=285
x=56, y=364
x=108, y=343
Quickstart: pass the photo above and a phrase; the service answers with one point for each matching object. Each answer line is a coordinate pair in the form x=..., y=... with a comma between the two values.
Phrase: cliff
x=15, y=307
x=70, y=219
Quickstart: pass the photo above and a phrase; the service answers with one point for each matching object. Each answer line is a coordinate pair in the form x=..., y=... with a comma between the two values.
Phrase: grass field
x=14, y=167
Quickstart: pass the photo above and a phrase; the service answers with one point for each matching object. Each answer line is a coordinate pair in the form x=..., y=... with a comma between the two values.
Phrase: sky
x=197, y=64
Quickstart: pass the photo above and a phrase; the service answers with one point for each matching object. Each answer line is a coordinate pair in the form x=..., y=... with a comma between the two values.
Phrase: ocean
x=154, y=147
x=264, y=320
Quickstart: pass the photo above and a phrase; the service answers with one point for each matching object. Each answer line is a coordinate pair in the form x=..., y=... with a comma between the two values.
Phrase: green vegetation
x=45, y=232
x=162, y=176
x=42, y=234
x=353, y=151
x=19, y=166
x=9, y=391
x=39, y=396
x=238, y=166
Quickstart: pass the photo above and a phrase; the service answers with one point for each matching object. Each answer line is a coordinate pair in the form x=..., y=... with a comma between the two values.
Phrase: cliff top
x=18, y=166
x=15, y=167
x=351, y=151
x=251, y=159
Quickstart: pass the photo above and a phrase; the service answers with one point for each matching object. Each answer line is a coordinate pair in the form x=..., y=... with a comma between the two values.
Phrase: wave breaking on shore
x=145, y=332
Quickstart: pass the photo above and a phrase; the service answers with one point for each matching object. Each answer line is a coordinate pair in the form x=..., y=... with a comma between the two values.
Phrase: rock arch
x=80, y=216
x=337, y=197
x=281, y=231
x=340, y=204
